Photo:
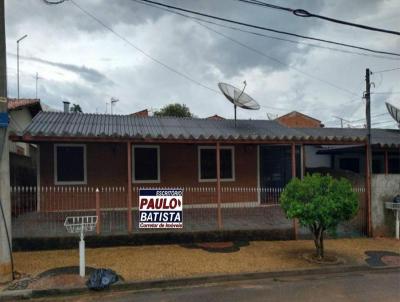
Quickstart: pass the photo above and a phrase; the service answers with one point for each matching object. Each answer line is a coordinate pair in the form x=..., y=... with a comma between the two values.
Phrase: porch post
x=303, y=161
x=98, y=214
x=129, y=186
x=219, y=214
x=368, y=190
x=386, y=162
x=293, y=154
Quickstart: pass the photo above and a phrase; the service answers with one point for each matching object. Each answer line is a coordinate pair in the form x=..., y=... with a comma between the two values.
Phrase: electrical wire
x=304, y=13
x=170, y=68
x=54, y=2
x=266, y=28
x=268, y=36
x=386, y=92
x=373, y=116
x=384, y=122
x=385, y=70
x=260, y=52
x=265, y=55
x=163, y=64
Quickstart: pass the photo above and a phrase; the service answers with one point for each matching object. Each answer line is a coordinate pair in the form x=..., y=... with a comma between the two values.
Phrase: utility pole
x=341, y=120
x=6, y=267
x=18, y=41
x=37, y=78
x=368, y=148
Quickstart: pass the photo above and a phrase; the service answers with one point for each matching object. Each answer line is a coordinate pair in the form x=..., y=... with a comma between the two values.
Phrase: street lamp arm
x=20, y=39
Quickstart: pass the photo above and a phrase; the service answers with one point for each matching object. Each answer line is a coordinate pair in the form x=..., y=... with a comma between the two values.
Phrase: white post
x=82, y=255
x=397, y=224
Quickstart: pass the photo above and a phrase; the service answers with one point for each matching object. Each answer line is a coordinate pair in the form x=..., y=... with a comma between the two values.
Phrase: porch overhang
x=272, y=140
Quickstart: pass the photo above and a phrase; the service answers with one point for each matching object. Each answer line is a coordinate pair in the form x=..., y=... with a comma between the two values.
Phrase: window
x=394, y=163
x=69, y=164
x=146, y=163
x=350, y=164
x=378, y=163
x=208, y=164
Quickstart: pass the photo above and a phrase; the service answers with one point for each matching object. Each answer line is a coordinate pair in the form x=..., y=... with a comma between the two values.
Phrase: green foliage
x=75, y=108
x=174, y=110
x=319, y=201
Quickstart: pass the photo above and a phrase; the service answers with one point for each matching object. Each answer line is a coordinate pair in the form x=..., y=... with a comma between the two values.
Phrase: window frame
x=199, y=148
x=55, y=151
x=154, y=181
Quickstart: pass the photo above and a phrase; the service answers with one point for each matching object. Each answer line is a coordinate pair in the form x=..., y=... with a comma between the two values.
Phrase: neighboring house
x=22, y=155
x=142, y=113
x=215, y=117
x=297, y=119
x=109, y=150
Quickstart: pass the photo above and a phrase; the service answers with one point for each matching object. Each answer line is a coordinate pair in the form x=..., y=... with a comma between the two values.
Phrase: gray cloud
x=89, y=74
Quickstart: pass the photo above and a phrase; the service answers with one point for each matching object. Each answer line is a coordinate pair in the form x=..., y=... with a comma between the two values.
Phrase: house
x=80, y=152
x=22, y=155
x=297, y=119
x=143, y=113
x=215, y=117
x=346, y=158
x=254, y=153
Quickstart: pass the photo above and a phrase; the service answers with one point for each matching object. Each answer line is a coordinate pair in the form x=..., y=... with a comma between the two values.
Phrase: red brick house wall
x=107, y=167
x=298, y=120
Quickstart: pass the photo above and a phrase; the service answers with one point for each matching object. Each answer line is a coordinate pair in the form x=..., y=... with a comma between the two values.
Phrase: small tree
x=319, y=203
x=75, y=108
x=175, y=110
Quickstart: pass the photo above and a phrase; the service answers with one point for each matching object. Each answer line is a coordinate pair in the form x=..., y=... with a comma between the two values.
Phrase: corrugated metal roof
x=79, y=125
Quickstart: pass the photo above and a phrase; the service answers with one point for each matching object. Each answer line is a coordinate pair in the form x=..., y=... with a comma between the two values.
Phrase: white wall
x=383, y=189
x=19, y=119
x=314, y=160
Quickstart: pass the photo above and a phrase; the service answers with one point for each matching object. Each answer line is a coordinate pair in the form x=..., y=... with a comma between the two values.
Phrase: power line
x=53, y=2
x=187, y=77
x=282, y=63
x=386, y=70
x=268, y=36
x=373, y=116
x=306, y=14
x=384, y=122
x=266, y=28
x=386, y=92
x=263, y=54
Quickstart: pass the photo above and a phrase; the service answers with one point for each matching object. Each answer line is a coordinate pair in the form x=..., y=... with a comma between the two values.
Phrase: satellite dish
x=394, y=112
x=238, y=97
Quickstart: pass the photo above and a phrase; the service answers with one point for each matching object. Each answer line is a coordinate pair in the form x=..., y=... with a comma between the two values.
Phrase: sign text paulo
x=160, y=208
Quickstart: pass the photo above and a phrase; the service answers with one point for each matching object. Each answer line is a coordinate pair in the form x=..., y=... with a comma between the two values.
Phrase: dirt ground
x=174, y=261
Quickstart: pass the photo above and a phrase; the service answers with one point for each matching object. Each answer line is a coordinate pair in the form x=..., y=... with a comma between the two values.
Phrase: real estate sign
x=160, y=208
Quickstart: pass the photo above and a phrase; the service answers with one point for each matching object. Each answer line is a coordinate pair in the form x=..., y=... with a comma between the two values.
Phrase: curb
x=191, y=281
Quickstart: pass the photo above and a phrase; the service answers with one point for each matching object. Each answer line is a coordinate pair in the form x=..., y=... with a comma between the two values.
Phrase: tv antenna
x=37, y=78
x=394, y=112
x=112, y=103
x=238, y=97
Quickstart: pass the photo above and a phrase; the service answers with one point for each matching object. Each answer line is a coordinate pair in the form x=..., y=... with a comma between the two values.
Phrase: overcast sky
x=80, y=61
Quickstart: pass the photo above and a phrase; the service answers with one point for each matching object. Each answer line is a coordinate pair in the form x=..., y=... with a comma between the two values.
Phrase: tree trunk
x=319, y=242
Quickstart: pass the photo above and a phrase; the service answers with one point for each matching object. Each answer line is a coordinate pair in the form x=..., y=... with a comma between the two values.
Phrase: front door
x=276, y=170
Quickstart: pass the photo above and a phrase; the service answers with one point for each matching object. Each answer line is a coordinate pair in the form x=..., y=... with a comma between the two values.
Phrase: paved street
x=365, y=286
